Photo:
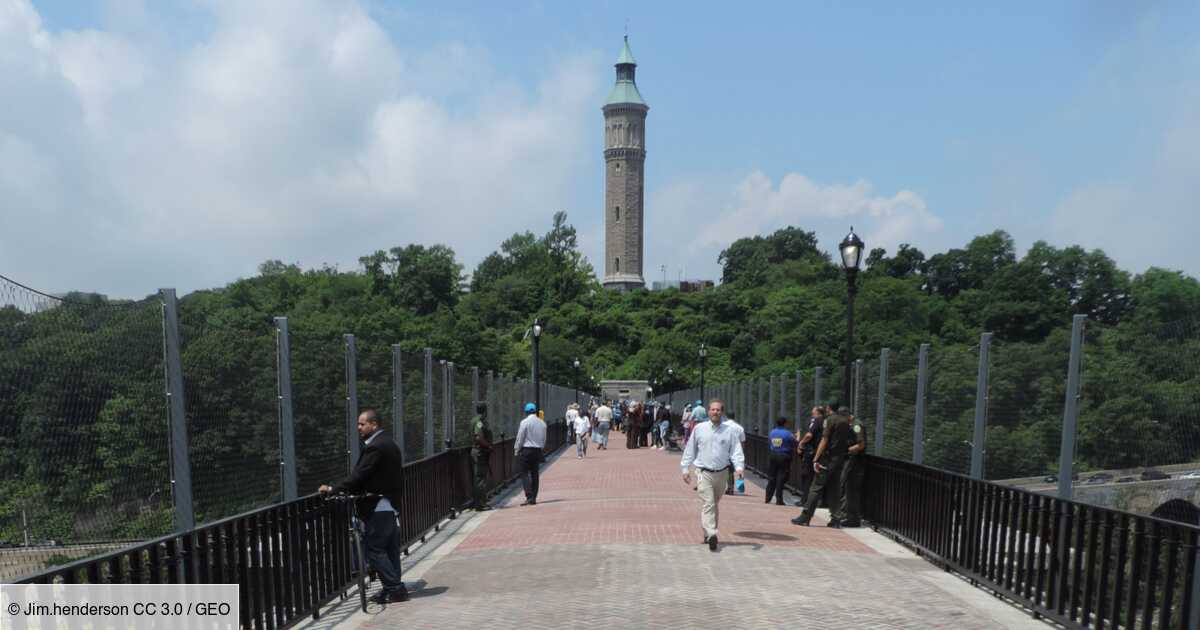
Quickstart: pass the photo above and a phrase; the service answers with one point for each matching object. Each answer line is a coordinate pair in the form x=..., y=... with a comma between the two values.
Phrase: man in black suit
x=379, y=471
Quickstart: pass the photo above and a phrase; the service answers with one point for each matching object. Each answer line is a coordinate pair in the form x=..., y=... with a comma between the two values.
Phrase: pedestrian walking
x=481, y=456
x=379, y=471
x=808, y=448
x=583, y=431
x=850, y=514
x=782, y=446
x=713, y=448
x=604, y=417
x=829, y=460
x=528, y=447
x=664, y=428
x=633, y=426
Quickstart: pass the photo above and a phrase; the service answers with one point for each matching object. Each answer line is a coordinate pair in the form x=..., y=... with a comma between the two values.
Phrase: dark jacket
x=379, y=470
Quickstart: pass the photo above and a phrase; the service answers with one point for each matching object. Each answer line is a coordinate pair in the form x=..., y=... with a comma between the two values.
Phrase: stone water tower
x=624, y=179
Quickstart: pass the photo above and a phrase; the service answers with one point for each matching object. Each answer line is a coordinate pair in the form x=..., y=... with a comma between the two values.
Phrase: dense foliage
x=780, y=308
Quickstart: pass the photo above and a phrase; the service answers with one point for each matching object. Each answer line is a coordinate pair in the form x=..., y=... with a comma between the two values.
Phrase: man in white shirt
x=604, y=417
x=582, y=425
x=528, y=447
x=714, y=447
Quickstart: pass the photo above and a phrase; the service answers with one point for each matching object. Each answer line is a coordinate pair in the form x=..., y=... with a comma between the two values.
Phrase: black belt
x=710, y=470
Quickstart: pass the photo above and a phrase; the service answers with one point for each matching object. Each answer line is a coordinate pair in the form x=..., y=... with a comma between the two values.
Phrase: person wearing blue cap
x=528, y=448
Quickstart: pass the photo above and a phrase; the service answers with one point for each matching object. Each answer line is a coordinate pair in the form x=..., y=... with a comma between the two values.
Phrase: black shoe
x=712, y=542
x=834, y=523
x=527, y=502
x=482, y=508
x=777, y=502
x=380, y=598
x=801, y=521
x=768, y=501
x=851, y=523
x=399, y=596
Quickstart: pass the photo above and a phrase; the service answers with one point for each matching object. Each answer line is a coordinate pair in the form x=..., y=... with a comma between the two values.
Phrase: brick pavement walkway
x=614, y=542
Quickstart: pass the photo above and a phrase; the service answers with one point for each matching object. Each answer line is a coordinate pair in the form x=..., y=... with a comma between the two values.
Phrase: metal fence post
x=398, y=396
x=352, y=445
x=881, y=409
x=1066, y=451
x=491, y=396
x=181, y=467
x=770, y=403
x=447, y=405
x=978, y=439
x=428, y=446
x=799, y=402
x=287, y=421
x=818, y=399
x=919, y=420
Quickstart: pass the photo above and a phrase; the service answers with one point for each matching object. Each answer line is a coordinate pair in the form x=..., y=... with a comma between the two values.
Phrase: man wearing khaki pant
x=714, y=447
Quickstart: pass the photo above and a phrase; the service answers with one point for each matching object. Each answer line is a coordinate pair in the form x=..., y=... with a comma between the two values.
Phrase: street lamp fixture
x=537, y=364
x=671, y=392
x=851, y=248
x=703, y=357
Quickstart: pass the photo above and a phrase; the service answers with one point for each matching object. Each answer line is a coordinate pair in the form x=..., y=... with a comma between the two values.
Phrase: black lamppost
x=537, y=367
x=671, y=388
x=703, y=356
x=852, y=249
x=576, y=365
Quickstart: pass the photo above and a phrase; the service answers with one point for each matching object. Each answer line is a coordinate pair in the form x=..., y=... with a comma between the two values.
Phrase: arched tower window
x=617, y=265
x=618, y=213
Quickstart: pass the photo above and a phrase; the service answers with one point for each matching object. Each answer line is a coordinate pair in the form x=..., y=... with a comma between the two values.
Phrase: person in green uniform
x=850, y=512
x=828, y=462
x=481, y=454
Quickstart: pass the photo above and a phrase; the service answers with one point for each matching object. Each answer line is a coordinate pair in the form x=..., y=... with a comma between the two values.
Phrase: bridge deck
x=614, y=542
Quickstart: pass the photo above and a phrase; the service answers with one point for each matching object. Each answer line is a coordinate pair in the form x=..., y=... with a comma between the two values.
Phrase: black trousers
x=828, y=486
x=530, y=460
x=852, y=481
x=383, y=549
x=806, y=474
x=482, y=468
x=778, y=467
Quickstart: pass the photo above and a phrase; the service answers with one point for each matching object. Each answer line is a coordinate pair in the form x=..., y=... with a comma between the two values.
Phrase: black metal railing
x=1083, y=566
x=291, y=559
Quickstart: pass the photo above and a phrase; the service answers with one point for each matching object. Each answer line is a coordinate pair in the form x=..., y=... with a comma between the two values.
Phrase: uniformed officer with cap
x=829, y=461
x=850, y=511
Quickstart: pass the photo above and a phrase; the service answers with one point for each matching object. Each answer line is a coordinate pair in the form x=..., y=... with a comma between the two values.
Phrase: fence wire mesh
x=901, y=405
x=1139, y=401
x=319, y=406
x=950, y=407
x=464, y=405
x=412, y=367
x=1026, y=391
x=83, y=427
x=229, y=382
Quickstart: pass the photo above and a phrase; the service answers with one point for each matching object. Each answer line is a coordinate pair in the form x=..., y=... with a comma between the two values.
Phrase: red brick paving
x=622, y=496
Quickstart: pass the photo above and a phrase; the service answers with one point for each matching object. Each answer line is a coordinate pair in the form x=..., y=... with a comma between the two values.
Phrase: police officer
x=850, y=512
x=481, y=454
x=828, y=463
x=808, y=449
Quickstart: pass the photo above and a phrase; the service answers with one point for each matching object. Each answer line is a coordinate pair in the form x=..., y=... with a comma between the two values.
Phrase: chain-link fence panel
x=374, y=380
x=84, y=457
x=1139, y=412
x=230, y=386
x=1026, y=390
x=464, y=405
x=319, y=407
x=950, y=407
x=901, y=405
x=867, y=400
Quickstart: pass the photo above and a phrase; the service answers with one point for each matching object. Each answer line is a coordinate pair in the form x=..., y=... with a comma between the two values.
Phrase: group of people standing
x=832, y=462
x=646, y=425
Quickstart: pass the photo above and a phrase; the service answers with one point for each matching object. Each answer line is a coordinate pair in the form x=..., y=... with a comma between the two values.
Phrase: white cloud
x=299, y=131
x=712, y=214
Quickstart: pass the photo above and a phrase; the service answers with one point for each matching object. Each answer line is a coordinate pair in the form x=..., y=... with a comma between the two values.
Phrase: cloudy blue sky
x=148, y=144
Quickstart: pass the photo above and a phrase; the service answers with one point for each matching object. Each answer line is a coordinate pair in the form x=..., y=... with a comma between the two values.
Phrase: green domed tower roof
x=625, y=90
